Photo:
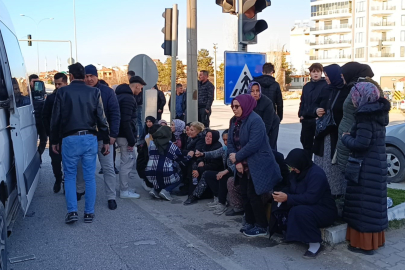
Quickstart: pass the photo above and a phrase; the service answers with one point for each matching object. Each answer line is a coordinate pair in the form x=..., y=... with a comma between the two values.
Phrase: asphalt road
x=154, y=234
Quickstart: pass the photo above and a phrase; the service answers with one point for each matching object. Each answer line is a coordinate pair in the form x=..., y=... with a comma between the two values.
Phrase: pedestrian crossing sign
x=240, y=69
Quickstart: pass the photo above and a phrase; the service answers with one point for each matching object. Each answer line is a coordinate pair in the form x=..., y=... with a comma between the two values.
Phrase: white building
x=366, y=31
x=299, y=47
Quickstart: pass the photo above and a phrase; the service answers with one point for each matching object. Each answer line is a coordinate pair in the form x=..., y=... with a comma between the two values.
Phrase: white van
x=19, y=158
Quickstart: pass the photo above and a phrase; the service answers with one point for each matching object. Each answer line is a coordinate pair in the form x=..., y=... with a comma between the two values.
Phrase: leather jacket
x=78, y=107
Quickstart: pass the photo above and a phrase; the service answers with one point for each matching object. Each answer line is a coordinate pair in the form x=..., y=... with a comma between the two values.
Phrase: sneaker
x=191, y=200
x=214, y=203
x=165, y=195
x=88, y=218
x=101, y=171
x=112, y=204
x=71, y=217
x=129, y=195
x=145, y=187
x=220, y=209
x=234, y=212
x=79, y=195
x=116, y=171
x=154, y=194
x=256, y=232
x=246, y=227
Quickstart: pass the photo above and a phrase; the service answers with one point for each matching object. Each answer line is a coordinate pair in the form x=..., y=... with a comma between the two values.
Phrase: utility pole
x=192, y=83
x=174, y=61
x=215, y=70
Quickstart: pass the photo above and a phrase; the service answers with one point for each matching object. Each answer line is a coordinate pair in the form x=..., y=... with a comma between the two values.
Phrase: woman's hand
x=280, y=197
x=191, y=154
x=195, y=174
x=232, y=157
x=239, y=168
x=198, y=154
x=201, y=164
x=222, y=174
x=320, y=112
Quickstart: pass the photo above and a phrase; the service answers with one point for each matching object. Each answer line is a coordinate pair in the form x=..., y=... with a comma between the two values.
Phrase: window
x=359, y=52
x=17, y=67
x=403, y=4
x=360, y=22
x=402, y=53
x=3, y=89
x=360, y=6
x=359, y=37
x=403, y=20
x=402, y=35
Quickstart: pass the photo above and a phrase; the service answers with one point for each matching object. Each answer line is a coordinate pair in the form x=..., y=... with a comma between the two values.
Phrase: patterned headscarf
x=179, y=128
x=162, y=122
x=249, y=92
x=363, y=93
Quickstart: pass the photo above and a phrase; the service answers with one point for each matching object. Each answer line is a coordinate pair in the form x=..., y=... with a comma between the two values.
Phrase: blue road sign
x=240, y=68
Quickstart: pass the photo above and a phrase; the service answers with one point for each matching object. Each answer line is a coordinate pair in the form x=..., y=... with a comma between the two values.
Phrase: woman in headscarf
x=325, y=143
x=202, y=165
x=162, y=122
x=310, y=201
x=179, y=138
x=353, y=73
x=257, y=170
x=365, y=206
x=265, y=109
x=160, y=170
x=149, y=121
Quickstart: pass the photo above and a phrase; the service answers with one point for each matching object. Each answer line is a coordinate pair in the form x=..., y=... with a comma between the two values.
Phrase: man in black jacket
x=307, y=110
x=60, y=80
x=181, y=102
x=38, y=98
x=112, y=112
x=205, y=98
x=272, y=90
x=127, y=135
x=161, y=102
x=78, y=117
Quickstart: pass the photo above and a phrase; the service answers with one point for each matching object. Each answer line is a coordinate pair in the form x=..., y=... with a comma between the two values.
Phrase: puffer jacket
x=205, y=95
x=272, y=90
x=310, y=94
x=127, y=105
x=365, y=207
x=265, y=109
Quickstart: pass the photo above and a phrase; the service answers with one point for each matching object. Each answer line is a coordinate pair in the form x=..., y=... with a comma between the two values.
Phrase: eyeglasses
x=235, y=107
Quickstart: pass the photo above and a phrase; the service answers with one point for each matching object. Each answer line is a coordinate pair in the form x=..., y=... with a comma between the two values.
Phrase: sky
x=111, y=33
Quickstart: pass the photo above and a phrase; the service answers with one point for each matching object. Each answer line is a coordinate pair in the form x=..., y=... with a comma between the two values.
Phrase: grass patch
x=396, y=224
x=397, y=196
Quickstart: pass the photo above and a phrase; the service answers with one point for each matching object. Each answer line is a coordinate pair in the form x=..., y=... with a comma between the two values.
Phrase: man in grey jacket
x=205, y=98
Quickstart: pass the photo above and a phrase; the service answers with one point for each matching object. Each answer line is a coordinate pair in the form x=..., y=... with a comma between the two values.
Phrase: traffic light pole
x=38, y=40
x=192, y=83
x=241, y=46
x=174, y=61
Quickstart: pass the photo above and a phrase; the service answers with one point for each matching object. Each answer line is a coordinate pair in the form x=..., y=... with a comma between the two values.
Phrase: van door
x=22, y=121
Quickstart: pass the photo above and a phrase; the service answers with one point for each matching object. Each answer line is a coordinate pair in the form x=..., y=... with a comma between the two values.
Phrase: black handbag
x=353, y=168
x=326, y=121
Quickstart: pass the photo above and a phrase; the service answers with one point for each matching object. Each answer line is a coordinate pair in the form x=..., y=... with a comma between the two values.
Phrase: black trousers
x=43, y=138
x=159, y=116
x=181, y=117
x=56, y=162
x=252, y=203
x=218, y=187
x=308, y=134
x=274, y=133
x=204, y=117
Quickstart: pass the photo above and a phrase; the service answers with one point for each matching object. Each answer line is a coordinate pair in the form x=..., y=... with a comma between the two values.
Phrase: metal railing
x=385, y=39
x=315, y=57
x=383, y=7
x=332, y=12
x=332, y=27
x=327, y=42
x=383, y=23
x=382, y=55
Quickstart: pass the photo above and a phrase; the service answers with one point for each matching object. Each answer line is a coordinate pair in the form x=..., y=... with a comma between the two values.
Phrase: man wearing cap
x=112, y=113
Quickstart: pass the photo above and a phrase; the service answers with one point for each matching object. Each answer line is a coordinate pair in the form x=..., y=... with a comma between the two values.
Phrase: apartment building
x=367, y=31
x=300, y=47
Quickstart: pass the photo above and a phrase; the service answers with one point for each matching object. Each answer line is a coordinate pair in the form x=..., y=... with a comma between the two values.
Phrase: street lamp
x=37, y=25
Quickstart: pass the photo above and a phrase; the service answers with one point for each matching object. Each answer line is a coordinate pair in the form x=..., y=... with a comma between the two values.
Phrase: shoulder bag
x=326, y=121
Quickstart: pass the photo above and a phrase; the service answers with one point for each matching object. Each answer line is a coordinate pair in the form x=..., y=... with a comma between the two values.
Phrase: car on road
x=19, y=158
x=395, y=143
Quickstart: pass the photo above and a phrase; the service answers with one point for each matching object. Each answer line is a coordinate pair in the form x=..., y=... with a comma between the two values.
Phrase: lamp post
x=37, y=25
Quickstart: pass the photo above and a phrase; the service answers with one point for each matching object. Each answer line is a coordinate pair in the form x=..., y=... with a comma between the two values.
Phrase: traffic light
x=228, y=6
x=251, y=28
x=167, y=31
x=29, y=40
x=252, y=7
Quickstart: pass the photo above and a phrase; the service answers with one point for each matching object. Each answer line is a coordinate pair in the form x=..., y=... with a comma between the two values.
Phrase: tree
x=221, y=75
x=165, y=72
x=205, y=61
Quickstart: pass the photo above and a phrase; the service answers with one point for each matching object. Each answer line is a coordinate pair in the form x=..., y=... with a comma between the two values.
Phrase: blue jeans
x=139, y=120
x=84, y=148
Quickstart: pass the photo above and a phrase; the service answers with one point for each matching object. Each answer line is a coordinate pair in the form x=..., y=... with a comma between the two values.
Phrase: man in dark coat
x=181, y=102
x=60, y=80
x=112, y=113
x=161, y=102
x=307, y=110
x=205, y=98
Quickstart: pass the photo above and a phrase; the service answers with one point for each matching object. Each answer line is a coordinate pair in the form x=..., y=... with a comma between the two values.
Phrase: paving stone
x=382, y=264
x=394, y=259
x=400, y=246
x=399, y=266
x=402, y=253
x=388, y=250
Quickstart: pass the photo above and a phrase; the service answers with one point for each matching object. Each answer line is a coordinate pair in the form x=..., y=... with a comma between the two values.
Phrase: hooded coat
x=211, y=163
x=365, y=208
x=271, y=89
x=127, y=105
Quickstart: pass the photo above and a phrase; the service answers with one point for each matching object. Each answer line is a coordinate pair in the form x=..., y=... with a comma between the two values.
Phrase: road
x=153, y=234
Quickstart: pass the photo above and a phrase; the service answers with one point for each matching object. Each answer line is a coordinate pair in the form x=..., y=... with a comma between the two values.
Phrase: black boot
x=57, y=185
x=191, y=200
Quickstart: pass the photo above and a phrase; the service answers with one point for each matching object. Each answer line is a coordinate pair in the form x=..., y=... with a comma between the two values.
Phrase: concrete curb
x=337, y=234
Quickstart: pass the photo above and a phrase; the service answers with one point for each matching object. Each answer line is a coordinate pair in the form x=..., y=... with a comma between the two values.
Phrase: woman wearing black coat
x=265, y=109
x=325, y=143
x=310, y=201
x=365, y=209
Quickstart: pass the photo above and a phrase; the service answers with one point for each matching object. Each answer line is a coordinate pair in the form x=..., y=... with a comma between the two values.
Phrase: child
x=161, y=170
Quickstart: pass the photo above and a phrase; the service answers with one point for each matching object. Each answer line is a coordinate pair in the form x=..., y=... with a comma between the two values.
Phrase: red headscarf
x=248, y=104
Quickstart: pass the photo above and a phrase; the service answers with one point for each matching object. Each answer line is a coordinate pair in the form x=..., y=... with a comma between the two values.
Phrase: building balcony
x=330, y=58
x=329, y=44
x=333, y=13
x=382, y=24
x=333, y=28
x=382, y=39
x=382, y=55
x=383, y=9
